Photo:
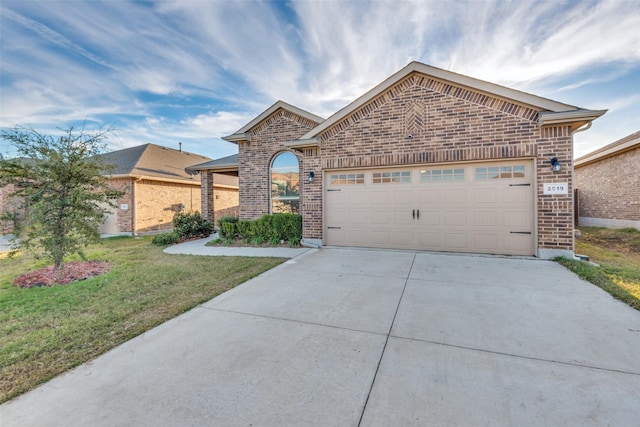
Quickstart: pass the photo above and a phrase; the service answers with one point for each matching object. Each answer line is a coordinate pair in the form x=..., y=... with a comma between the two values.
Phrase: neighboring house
x=426, y=160
x=156, y=186
x=608, y=185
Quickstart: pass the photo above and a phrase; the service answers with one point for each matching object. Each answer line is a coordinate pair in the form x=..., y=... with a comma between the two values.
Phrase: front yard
x=618, y=254
x=45, y=331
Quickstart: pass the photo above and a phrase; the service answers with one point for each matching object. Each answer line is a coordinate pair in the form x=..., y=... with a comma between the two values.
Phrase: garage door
x=473, y=207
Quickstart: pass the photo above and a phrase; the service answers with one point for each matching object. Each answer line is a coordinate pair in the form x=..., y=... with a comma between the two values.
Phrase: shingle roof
x=224, y=163
x=153, y=161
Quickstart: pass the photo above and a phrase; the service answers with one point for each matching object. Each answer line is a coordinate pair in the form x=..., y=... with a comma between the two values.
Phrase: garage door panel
x=430, y=217
x=404, y=196
x=430, y=240
x=516, y=220
x=485, y=195
x=456, y=196
x=486, y=242
x=516, y=195
x=427, y=197
x=518, y=244
x=485, y=219
x=379, y=197
x=380, y=218
x=474, y=211
x=356, y=216
x=456, y=240
x=357, y=197
x=455, y=218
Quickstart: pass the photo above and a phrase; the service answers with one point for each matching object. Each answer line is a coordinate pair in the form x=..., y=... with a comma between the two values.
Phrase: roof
x=556, y=112
x=224, y=164
x=240, y=134
x=151, y=161
x=627, y=143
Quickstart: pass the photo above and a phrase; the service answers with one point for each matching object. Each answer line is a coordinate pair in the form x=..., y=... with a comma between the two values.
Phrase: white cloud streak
x=211, y=66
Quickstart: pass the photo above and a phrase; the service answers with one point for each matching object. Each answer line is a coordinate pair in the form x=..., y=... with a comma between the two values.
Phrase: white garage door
x=474, y=207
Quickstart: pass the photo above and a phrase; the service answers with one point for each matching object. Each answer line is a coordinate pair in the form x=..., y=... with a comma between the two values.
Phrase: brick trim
x=433, y=156
x=277, y=115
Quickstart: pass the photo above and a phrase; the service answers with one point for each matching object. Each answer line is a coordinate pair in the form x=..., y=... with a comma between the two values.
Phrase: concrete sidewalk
x=198, y=247
x=340, y=337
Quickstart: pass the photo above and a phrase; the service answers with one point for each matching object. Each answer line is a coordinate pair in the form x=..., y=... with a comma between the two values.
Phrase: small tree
x=62, y=192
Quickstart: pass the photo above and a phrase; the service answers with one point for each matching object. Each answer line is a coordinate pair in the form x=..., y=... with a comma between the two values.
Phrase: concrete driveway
x=340, y=337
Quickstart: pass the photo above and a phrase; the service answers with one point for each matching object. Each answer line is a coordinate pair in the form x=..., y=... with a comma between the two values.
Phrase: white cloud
x=233, y=59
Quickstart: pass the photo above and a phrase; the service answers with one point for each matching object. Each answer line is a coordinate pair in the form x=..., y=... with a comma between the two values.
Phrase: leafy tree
x=61, y=188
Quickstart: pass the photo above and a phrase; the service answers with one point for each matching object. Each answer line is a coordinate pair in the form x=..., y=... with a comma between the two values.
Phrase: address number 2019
x=556, y=188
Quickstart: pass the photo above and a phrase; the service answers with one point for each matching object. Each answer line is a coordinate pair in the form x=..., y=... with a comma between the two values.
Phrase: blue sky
x=193, y=71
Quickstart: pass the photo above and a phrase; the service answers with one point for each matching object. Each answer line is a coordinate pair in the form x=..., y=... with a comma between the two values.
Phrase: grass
x=617, y=251
x=48, y=330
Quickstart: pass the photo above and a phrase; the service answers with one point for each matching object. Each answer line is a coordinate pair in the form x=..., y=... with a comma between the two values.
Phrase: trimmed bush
x=228, y=230
x=187, y=225
x=165, y=239
x=246, y=229
x=229, y=218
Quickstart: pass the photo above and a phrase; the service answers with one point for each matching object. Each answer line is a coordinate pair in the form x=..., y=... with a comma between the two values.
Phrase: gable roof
x=627, y=143
x=223, y=164
x=241, y=134
x=155, y=162
x=555, y=112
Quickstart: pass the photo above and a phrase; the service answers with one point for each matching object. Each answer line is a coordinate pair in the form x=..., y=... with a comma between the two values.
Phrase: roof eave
x=238, y=137
x=576, y=118
x=301, y=144
x=613, y=151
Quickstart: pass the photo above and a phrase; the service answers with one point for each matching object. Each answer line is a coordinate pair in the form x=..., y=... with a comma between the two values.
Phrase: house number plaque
x=556, y=188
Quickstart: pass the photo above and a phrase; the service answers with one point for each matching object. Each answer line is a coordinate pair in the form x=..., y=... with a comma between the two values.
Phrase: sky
x=192, y=71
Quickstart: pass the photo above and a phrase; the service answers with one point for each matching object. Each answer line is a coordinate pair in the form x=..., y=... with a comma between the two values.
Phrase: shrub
x=228, y=230
x=246, y=229
x=165, y=239
x=229, y=218
x=187, y=225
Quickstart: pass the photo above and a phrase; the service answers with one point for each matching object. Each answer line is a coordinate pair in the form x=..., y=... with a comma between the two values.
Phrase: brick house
x=156, y=186
x=608, y=185
x=427, y=160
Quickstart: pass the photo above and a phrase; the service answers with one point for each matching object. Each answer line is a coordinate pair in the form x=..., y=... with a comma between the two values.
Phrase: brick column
x=206, y=196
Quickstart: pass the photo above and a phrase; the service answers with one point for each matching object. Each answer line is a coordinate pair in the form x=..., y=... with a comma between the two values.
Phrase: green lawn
x=48, y=330
x=617, y=251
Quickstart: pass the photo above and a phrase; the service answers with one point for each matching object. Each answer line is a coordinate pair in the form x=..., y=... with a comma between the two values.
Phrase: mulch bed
x=71, y=272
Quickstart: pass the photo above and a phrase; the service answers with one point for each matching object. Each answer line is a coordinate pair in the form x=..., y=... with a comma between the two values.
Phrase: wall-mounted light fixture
x=311, y=176
x=555, y=165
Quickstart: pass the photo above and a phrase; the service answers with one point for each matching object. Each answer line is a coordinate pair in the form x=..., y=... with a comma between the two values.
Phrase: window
x=500, y=172
x=435, y=175
x=285, y=184
x=391, y=177
x=346, y=179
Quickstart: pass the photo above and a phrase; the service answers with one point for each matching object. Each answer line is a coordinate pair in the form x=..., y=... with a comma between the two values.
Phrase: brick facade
x=256, y=155
x=609, y=189
x=419, y=119
x=151, y=205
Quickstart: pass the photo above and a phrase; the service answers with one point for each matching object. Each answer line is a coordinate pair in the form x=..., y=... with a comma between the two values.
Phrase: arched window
x=285, y=184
